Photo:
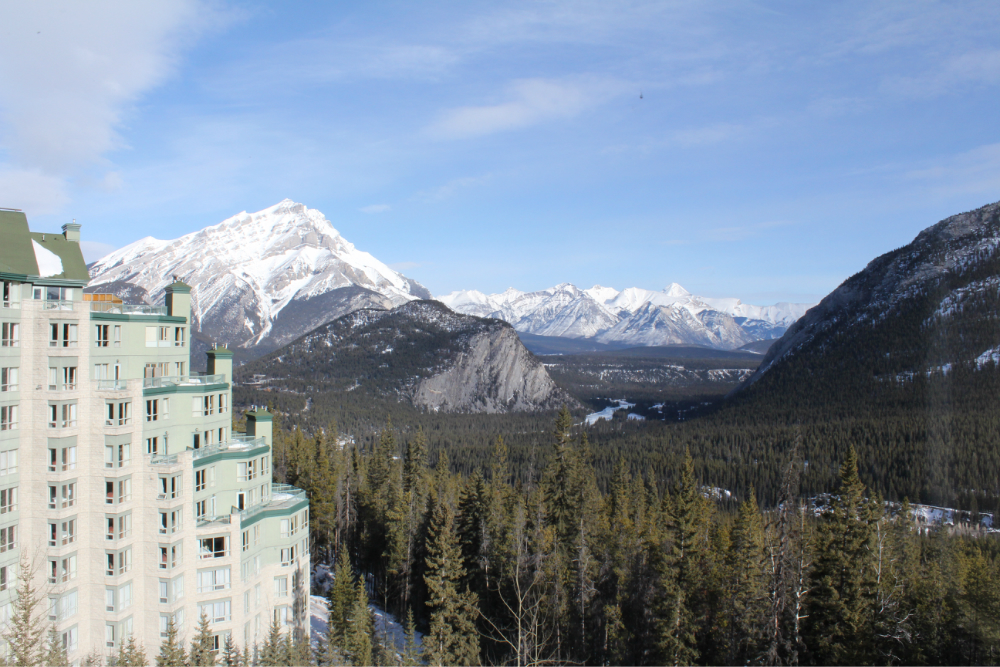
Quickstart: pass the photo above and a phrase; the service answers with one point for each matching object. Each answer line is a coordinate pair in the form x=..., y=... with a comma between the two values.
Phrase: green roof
x=18, y=256
x=178, y=287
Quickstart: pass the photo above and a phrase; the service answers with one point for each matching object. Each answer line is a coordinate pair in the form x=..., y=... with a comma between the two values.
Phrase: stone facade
x=122, y=482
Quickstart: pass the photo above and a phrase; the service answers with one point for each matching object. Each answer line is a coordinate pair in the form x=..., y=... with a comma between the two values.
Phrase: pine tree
x=202, y=645
x=453, y=638
x=358, y=643
x=172, y=652
x=25, y=629
x=340, y=600
x=838, y=627
x=55, y=653
x=411, y=653
x=748, y=599
x=679, y=574
x=230, y=652
x=273, y=652
x=131, y=654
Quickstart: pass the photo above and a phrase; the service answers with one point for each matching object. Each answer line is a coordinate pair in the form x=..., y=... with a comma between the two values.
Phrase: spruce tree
x=172, y=652
x=358, y=642
x=25, y=630
x=411, y=653
x=339, y=602
x=230, y=652
x=839, y=623
x=273, y=652
x=202, y=645
x=748, y=607
x=453, y=638
x=131, y=653
x=55, y=653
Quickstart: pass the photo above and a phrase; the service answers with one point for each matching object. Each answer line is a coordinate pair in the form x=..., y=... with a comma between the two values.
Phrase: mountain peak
x=673, y=289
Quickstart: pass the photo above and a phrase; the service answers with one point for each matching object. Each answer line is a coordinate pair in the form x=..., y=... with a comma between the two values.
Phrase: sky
x=762, y=150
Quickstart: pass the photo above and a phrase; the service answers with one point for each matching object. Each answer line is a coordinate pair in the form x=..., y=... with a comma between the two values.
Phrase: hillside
x=421, y=353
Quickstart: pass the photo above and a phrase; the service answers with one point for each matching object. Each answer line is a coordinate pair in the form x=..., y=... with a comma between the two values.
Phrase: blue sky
x=776, y=148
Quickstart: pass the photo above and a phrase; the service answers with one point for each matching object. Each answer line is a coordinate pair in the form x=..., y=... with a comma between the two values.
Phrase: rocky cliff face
x=419, y=352
x=494, y=373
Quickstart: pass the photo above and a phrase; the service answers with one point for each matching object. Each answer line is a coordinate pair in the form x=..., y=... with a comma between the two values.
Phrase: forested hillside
x=502, y=568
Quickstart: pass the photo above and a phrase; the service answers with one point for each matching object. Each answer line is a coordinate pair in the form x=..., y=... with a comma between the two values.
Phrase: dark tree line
x=523, y=567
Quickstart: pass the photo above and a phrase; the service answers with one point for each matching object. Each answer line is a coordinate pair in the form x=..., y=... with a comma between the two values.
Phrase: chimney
x=71, y=231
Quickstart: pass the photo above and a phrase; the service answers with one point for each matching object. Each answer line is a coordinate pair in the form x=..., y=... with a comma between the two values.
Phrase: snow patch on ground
x=608, y=412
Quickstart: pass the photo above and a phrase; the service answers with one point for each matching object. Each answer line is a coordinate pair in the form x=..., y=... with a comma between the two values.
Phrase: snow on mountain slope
x=259, y=279
x=634, y=315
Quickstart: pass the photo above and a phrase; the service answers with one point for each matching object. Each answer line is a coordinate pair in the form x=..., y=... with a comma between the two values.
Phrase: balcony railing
x=126, y=308
x=57, y=304
x=11, y=304
x=237, y=444
x=112, y=385
x=282, y=495
x=182, y=380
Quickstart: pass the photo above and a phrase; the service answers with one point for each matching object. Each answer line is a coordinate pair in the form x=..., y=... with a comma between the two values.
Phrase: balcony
x=283, y=496
x=125, y=308
x=112, y=385
x=182, y=381
x=57, y=304
x=237, y=444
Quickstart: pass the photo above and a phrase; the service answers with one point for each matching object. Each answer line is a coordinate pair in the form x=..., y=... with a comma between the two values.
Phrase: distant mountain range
x=259, y=280
x=634, y=316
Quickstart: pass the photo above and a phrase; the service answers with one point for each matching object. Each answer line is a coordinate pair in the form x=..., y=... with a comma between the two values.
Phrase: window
x=125, y=597
x=110, y=603
x=110, y=632
x=179, y=367
x=119, y=562
x=124, y=526
x=264, y=470
x=5, y=577
x=54, y=534
x=164, y=624
x=212, y=547
x=8, y=379
x=199, y=509
x=170, y=487
x=69, y=335
x=170, y=522
x=213, y=580
x=281, y=615
x=289, y=526
x=62, y=570
x=211, y=476
x=164, y=591
x=101, y=338
x=170, y=557
x=68, y=532
x=53, y=414
x=151, y=336
x=53, y=379
x=288, y=556
x=117, y=456
x=69, y=639
x=8, y=500
x=63, y=607
x=178, y=336
x=68, y=496
x=280, y=586
x=223, y=403
x=125, y=490
x=68, y=415
x=246, y=540
x=100, y=371
x=163, y=340
x=10, y=334
x=118, y=336
x=8, y=417
x=152, y=444
x=256, y=535
x=119, y=413
x=219, y=611
x=165, y=407
x=67, y=456
x=199, y=480
x=69, y=378
x=8, y=538
x=152, y=410
x=178, y=586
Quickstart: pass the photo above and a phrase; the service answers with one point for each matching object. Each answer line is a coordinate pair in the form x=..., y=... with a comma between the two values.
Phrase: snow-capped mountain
x=632, y=316
x=259, y=280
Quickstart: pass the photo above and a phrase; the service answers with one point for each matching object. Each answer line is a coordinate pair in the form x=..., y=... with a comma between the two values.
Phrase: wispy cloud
x=528, y=102
x=94, y=250
x=971, y=172
x=980, y=67
x=375, y=208
x=404, y=266
x=69, y=75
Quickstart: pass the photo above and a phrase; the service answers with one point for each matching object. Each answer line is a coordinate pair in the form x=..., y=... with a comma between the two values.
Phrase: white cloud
x=375, y=208
x=31, y=190
x=974, y=172
x=530, y=101
x=69, y=73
